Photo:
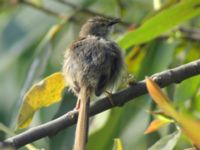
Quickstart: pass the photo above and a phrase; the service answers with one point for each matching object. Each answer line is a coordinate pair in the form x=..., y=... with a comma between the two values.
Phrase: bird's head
x=98, y=26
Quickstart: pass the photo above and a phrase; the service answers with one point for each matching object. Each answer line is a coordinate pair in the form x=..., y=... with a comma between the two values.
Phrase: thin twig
x=164, y=78
x=90, y=12
x=190, y=34
x=46, y=10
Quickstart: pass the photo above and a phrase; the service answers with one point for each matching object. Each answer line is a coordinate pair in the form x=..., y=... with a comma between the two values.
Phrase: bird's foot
x=109, y=94
x=76, y=108
x=131, y=80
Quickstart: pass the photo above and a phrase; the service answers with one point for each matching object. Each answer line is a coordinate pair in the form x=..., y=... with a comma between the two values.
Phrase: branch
x=90, y=12
x=6, y=146
x=64, y=17
x=47, y=11
x=77, y=8
x=50, y=128
x=191, y=34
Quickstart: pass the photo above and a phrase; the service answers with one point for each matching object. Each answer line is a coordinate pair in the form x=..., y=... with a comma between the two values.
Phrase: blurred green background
x=30, y=49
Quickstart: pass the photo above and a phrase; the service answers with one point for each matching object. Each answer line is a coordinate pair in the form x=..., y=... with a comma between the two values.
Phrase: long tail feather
x=82, y=124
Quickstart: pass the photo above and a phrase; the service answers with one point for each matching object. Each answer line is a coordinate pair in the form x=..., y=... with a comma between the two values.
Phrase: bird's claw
x=110, y=98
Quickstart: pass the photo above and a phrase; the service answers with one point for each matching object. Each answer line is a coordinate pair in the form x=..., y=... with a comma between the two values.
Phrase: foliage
x=188, y=125
x=159, y=35
x=43, y=94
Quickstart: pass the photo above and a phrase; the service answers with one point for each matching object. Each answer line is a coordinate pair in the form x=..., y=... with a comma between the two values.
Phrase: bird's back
x=94, y=62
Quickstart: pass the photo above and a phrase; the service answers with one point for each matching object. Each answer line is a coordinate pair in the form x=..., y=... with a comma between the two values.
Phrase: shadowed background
x=28, y=54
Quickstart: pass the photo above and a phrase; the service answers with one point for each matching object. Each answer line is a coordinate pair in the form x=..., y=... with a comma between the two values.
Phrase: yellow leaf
x=155, y=125
x=133, y=58
x=36, y=2
x=31, y=147
x=117, y=144
x=190, y=128
x=188, y=125
x=159, y=97
x=42, y=94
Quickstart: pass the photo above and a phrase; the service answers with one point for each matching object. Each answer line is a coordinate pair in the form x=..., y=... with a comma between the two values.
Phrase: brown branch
x=6, y=146
x=75, y=7
x=189, y=34
x=164, y=78
x=46, y=10
x=91, y=12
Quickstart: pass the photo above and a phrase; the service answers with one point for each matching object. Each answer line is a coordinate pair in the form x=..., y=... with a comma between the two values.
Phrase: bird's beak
x=114, y=21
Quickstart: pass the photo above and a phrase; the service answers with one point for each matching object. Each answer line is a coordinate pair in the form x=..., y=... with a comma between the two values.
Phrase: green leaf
x=167, y=143
x=186, y=90
x=19, y=36
x=108, y=132
x=160, y=23
x=37, y=2
x=38, y=66
x=158, y=57
x=64, y=139
x=188, y=125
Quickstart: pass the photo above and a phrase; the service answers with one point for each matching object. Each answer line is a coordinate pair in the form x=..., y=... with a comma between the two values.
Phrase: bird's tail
x=83, y=119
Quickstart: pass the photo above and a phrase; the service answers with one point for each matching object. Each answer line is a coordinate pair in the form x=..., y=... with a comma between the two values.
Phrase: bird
x=92, y=65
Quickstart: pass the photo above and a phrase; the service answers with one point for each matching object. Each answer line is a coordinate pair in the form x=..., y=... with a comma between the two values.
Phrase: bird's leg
x=78, y=103
x=131, y=80
x=77, y=107
x=109, y=94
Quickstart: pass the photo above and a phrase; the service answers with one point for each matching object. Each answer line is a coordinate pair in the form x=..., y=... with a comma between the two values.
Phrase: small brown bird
x=92, y=65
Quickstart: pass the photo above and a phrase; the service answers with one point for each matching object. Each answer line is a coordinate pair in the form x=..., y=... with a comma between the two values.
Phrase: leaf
x=147, y=64
x=23, y=36
x=108, y=132
x=183, y=93
x=41, y=57
x=156, y=124
x=167, y=143
x=6, y=130
x=117, y=144
x=159, y=97
x=134, y=57
x=160, y=23
x=157, y=51
x=37, y=2
x=188, y=125
x=42, y=94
